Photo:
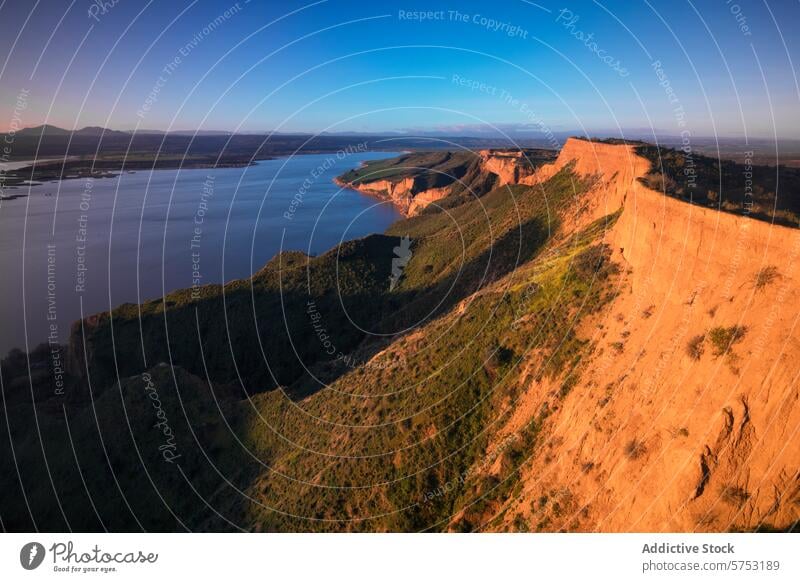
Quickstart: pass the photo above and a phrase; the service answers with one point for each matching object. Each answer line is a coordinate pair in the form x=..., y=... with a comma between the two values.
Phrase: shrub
x=568, y=385
x=764, y=277
x=695, y=347
x=732, y=495
x=635, y=449
x=499, y=356
x=706, y=519
x=679, y=432
x=723, y=338
x=659, y=182
x=594, y=262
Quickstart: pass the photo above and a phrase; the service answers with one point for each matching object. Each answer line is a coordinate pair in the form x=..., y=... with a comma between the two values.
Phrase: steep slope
x=685, y=412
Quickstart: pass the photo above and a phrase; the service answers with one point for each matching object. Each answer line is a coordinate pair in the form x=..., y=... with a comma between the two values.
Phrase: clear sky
x=705, y=66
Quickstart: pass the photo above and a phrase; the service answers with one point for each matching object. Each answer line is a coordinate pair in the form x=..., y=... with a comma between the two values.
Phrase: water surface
x=85, y=246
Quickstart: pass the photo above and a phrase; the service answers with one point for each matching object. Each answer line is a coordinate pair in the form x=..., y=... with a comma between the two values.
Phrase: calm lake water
x=94, y=244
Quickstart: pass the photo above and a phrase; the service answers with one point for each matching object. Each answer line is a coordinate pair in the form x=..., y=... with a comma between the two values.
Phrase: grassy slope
x=487, y=281
x=433, y=401
x=276, y=297
x=448, y=164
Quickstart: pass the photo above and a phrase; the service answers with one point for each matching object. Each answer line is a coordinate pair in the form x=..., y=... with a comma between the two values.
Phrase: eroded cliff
x=685, y=411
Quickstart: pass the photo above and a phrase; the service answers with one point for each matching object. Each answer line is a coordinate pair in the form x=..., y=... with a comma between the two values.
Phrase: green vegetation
x=433, y=169
x=105, y=467
x=724, y=184
x=396, y=440
x=439, y=168
x=296, y=301
x=461, y=170
x=696, y=347
x=723, y=338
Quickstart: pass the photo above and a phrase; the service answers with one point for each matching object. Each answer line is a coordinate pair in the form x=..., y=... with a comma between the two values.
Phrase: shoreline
x=166, y=292
x=77, y=169
x=104, y=168
x=376, y=194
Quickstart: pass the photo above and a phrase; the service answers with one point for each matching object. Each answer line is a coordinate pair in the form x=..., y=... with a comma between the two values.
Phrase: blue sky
x=725, y=67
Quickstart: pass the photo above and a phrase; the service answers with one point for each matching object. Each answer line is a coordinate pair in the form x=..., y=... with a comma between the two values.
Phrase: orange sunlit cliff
x=664, y=432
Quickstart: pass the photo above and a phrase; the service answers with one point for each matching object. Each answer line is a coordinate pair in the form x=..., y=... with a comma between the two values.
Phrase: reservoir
x=83, y=246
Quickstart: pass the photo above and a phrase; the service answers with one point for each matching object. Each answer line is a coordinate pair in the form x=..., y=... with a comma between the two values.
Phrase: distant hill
x=52, y=130
x=95, y=130
x=43, y=129
x=189, y=132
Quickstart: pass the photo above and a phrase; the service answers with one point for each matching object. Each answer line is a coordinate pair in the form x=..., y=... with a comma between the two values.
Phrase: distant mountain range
x=93, y=130
x=52, y=130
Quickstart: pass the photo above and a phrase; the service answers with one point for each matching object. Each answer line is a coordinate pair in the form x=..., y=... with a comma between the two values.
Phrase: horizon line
x=633, y=133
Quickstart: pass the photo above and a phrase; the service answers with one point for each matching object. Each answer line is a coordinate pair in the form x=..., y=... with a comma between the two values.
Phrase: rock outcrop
x=407, y=195
x=420, y=183
x=510, y=166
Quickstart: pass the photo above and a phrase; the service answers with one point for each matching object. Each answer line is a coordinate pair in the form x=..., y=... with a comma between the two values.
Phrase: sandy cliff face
x=411, y=195
x=406, y=194
x=662, y=431
x=510, y=167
